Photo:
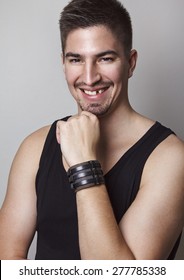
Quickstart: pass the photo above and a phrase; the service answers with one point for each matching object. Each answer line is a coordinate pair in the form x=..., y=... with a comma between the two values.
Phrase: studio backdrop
x=33, y=92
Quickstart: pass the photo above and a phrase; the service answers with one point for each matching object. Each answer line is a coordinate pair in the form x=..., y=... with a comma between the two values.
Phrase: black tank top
x=57, y=225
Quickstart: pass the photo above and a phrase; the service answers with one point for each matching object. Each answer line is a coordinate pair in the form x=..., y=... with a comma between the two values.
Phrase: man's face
x=96, y=69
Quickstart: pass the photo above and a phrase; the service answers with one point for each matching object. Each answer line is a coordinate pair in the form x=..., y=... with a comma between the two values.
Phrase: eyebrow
x=76, y=55
x=107, y=53
x=71, y=54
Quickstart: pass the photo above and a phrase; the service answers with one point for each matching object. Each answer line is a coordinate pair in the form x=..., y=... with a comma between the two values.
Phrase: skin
x=104, y=128
x=91, y=67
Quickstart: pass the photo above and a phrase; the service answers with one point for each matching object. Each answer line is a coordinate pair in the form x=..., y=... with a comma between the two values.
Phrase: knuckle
x=58, y=124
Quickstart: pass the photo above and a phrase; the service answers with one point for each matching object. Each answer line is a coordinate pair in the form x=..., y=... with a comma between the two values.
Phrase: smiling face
x=96, y=69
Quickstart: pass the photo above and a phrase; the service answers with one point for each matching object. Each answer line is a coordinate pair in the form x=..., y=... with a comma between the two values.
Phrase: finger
x=88, y=114
x=74, y=117
x=59, y=123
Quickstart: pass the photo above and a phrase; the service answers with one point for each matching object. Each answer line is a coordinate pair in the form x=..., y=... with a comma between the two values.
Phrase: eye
x=106, y=59
x=75, y=60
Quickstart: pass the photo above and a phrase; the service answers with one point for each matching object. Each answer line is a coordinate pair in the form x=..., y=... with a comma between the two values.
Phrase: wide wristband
x=83, y=166
x=85, y=175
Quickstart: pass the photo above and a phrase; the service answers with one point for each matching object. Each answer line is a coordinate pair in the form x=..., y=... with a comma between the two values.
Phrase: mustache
x=96, y=84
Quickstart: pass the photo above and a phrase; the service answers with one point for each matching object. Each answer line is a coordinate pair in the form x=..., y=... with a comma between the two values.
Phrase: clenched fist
x=78, y=138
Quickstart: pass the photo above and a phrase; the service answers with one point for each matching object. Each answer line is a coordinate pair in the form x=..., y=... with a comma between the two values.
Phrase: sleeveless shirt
x=57, y=225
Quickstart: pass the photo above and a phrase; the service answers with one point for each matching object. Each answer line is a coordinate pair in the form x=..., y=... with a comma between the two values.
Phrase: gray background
x=32, y=87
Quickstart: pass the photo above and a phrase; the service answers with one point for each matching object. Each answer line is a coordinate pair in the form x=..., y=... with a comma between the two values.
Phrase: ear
x=63, y=61
x=132, y=62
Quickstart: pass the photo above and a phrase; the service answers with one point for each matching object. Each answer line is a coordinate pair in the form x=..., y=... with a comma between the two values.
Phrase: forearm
x=99, y=234
x=9, y=250
x=7, y=253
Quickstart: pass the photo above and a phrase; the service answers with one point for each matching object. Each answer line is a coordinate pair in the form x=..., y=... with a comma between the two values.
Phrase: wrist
x=81, y=160
x=86, y=174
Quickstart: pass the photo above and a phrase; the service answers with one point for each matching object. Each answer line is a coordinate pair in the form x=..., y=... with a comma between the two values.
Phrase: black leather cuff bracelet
x=83, y=166
x=85, y=175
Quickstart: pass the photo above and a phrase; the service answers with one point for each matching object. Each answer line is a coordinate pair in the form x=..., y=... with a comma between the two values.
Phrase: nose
x=90, y=75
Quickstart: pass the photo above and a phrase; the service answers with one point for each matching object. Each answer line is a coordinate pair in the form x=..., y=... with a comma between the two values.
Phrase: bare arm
x=18, y=213
x=156, y=217
x=152, y=223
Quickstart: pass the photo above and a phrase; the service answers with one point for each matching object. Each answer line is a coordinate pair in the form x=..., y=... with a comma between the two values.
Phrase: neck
x=115, y=129
x=119, y=130
x=118, y=120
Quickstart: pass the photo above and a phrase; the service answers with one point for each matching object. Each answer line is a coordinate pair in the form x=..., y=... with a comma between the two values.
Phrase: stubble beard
x=95, y=108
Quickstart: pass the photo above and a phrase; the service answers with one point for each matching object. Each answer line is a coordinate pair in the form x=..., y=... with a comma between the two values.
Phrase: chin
x=96, y=110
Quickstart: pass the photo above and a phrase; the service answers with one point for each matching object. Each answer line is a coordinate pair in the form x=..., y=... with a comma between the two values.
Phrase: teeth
x=93, y=92
x=90, y=92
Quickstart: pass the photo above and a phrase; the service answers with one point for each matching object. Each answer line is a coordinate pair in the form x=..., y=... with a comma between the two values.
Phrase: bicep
x=152, y=225
x=17, y=222
x=18, y=213
x=155, y=219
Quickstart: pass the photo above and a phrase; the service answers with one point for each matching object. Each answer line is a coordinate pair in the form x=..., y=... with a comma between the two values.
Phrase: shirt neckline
x=132, y=148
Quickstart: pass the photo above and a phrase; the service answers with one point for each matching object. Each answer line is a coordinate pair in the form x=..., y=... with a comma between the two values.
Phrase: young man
x=133, y=209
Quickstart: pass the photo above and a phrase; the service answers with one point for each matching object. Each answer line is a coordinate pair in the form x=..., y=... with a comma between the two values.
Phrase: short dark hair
x=87, y=13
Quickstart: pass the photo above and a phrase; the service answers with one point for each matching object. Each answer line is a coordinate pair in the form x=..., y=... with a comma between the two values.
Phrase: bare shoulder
x=156, y=217
x=166, y=160
x=172, y=150
x=174, y=144
x=33, y=144
x=37, y=138
x=19, y=206
x=27, y=158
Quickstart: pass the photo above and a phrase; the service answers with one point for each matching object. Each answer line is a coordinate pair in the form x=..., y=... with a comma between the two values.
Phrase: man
x=133, y=209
